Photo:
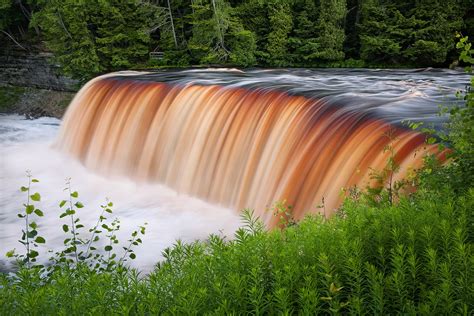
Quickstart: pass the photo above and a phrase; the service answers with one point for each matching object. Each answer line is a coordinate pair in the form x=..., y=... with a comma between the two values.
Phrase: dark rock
x=32, y=69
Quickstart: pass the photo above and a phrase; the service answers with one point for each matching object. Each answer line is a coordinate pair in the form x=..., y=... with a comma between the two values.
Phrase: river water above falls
x=183, y=150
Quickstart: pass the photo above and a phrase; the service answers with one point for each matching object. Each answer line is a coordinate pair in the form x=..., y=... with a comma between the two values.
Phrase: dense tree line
x=94, y=36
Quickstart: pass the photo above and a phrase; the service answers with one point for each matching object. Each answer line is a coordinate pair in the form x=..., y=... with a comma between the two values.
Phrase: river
x=387, y=96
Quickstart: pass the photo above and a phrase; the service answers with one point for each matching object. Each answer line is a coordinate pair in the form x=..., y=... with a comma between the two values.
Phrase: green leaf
x=79, y=205
x=40, y=240
x=74, y=194
x=33, y=254
x=29, y=209
x=34, y=180
x=108, y=248
x=35, y=197
x=33, y=225
x=65, y=228
x=108, y=210
x=62, y=203
x=32, y=233
x=39, y=213
x=110, y=204
x=63, y=215
x=79, y=226
x=24, y=189
x=10, y=253
x=132, y=256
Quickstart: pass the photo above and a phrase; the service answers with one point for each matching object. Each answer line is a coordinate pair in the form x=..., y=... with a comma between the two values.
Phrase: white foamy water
x=27, y=145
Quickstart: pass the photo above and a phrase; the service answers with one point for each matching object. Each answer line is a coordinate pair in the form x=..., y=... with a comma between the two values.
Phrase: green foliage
x=413, y=257
x=331, y=32
x=89, y=38
x=210, y=20
x=284, y=214
x=420, y=33
x=280, y=26
x=243, y=47
x=79, y=251
x=30, y=238
x=458, y=135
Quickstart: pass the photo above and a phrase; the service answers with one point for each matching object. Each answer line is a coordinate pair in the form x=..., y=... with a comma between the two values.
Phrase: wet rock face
x=30, y=84
x=32, y=69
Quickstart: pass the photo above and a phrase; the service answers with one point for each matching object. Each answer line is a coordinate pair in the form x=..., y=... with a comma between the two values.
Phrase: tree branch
x=13, y=39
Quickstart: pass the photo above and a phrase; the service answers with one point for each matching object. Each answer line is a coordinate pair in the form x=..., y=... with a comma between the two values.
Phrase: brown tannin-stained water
x=245, y=139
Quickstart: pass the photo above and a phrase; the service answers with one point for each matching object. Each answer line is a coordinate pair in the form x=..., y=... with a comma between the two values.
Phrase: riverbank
x=33, y=102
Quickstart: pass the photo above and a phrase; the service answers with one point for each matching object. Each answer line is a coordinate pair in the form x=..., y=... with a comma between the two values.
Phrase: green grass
x=412, y=258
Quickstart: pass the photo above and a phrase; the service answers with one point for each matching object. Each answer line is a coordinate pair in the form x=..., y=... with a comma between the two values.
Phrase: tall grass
x=415, y=257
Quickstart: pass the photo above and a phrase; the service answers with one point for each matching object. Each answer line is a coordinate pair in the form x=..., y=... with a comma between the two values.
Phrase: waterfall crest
x=234, y=146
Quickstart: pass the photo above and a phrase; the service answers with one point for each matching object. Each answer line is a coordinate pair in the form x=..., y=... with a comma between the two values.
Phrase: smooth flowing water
x=184, y=150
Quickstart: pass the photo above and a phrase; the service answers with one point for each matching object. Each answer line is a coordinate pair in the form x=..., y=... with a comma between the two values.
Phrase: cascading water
x=248, y=139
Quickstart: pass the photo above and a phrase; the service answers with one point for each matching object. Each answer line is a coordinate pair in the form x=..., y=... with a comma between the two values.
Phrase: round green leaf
x=35, y=197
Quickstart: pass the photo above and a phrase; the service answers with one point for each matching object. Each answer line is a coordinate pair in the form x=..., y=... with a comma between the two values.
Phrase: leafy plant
x=284, y=213
x=30, y=237
x=78, y=250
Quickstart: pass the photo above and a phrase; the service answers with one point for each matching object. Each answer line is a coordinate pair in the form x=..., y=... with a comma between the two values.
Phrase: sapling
x=385, y=177
x=30, y=238
x=133, y=241
x=73, y=242
x=110, y=262
x=284, y=214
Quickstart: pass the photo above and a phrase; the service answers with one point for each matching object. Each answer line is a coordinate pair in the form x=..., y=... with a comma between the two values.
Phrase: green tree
x=434, y=27
x=281, y=23
x=303, y=40
x=218, y=35
x=331, y=30
x=243, y=46
x=409, y=32
x=210, y=21
x=90, y=37
x=380, y=32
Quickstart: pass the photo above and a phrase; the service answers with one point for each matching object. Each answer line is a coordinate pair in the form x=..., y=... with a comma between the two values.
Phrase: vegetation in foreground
x=415, y=257
x=377, y=255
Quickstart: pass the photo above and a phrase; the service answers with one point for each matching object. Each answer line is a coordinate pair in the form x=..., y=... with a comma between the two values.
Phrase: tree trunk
x=221, y=36
x=172, y=25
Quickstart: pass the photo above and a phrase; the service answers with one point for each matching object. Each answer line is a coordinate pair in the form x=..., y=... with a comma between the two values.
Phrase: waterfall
x=234, y=145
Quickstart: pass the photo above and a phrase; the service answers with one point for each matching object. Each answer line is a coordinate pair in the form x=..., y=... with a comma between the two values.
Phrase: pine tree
x=280, y=26
x=331, y=30
x=89, y=38
x=210, y=22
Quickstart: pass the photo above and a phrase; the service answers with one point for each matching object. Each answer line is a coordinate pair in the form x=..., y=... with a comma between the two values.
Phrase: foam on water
x=26, y=144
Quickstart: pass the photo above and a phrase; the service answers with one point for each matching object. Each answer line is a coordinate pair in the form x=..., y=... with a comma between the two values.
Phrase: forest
x=91, y=37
